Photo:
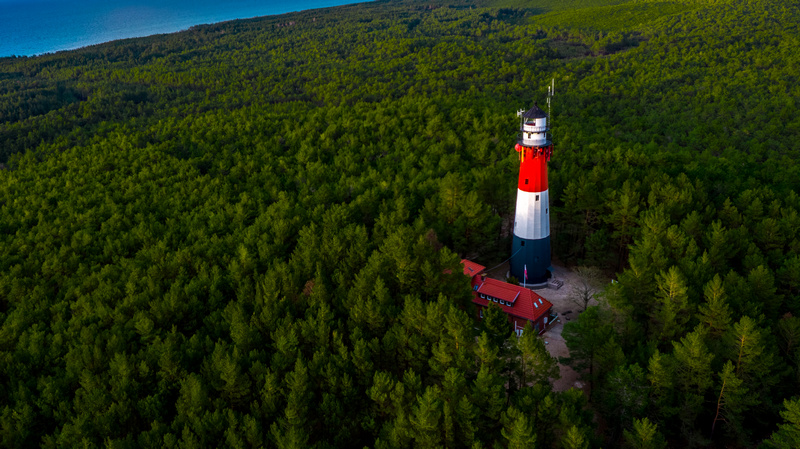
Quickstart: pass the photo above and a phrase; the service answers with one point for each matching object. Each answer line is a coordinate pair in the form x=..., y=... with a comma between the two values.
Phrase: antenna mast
x=551, y=89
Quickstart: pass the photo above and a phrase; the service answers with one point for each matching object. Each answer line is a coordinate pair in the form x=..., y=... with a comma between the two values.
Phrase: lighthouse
x=530, y=252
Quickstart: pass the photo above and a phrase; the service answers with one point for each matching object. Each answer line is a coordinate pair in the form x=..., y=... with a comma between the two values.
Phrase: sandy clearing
x=567, y=310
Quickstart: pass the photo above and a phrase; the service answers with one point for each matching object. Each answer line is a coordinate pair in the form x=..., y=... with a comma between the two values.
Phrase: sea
x=33, y=27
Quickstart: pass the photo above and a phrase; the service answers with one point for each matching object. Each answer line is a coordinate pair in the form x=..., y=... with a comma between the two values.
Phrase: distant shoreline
x=29, y=30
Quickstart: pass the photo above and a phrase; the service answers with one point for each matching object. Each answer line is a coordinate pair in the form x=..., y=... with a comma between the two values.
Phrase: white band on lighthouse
x=532, y=219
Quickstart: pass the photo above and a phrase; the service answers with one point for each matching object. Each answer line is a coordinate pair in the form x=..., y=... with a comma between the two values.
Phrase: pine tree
x=788, y=434
x=694, y=377
x=661, y=375
x=765, y=293
x=625, y=394
x=488, y=394
x=731, y=401
x=715, y=313
x=644, y=435
x=495, y=324
x=466, y=415
x=536, y=363
x=624, y=205
x=672, y=311
x=789, y=281
x=789, y=332
x=486, y=353
x=575, y=438
x=291, y=431
x=753, y=357
x=694, y=362
x=426, y=419
x=719, y=249
x=518, y=431
x=585, y=338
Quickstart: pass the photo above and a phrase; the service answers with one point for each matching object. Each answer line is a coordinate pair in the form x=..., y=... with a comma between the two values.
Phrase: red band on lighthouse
x=533, y=169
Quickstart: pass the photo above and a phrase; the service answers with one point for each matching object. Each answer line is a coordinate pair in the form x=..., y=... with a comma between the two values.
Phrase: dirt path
x=567, y=310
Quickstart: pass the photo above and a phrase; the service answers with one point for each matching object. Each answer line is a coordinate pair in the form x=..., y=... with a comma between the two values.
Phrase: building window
x=546, y=210
x=481, y=312
x=522, y=243
x=537, y=197
x=482, y=296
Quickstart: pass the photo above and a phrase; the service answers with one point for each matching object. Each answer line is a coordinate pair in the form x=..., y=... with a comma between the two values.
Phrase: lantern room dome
x=534, y=112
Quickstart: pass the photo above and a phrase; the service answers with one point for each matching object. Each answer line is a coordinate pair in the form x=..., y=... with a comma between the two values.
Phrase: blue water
x=31, y=27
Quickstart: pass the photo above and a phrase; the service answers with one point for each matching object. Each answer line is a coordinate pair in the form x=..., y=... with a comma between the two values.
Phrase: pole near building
x=531, y=245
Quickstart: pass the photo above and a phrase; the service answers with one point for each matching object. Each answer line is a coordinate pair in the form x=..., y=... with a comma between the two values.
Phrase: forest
x=248, y=234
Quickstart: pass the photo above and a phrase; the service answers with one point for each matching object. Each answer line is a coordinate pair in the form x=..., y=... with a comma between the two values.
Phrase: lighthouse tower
x=530, y=252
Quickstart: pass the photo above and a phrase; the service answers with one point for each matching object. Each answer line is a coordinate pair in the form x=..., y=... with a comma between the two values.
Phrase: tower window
x=526, y=182
x=522, y=243
x=546, y=210
x=537, y=196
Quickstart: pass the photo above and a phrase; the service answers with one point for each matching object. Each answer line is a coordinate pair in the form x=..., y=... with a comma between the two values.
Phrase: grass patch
x=552, y=5
x=617, y=17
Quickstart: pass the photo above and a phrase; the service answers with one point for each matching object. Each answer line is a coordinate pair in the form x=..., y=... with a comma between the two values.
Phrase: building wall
x=516, y=322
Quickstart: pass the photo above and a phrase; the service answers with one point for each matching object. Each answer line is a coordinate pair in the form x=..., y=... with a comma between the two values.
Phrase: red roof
x=498, y=289
x=472, y=268
x=518, y=301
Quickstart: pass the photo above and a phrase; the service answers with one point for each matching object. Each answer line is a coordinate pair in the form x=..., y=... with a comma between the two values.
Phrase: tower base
x=533, y=254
